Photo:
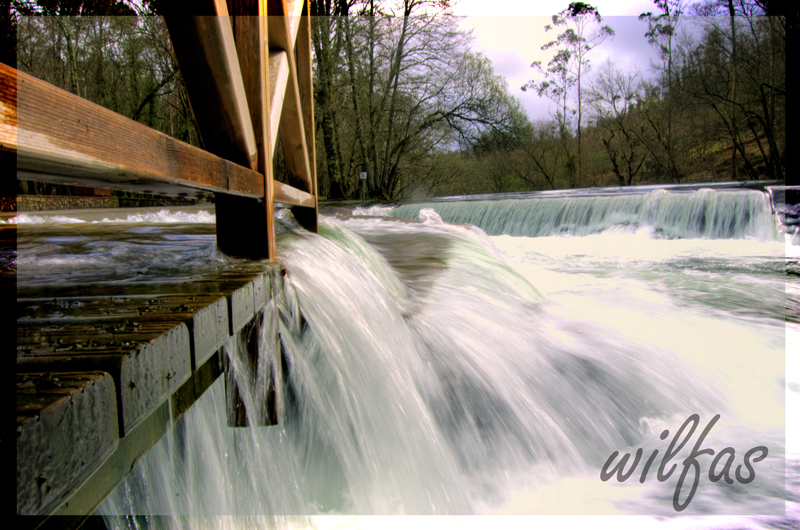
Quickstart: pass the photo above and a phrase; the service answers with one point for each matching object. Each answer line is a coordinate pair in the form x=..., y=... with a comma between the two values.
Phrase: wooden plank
x=206, y=52
x=307, y=217
x=219, y=284
x=246, y=301
x=292, y=134
x=66, y=427
x=283, y=27
x=286, y=29
x=131, y=449
x=206, y=317
x=305, y=83
x=284, y=22
x=278, y=79
x=65, y=139
x=200, y=381
x=246, y=292
x=148, y=360
x=8, y=108
x=289, y=195
x=293, y=138
x=234, y=213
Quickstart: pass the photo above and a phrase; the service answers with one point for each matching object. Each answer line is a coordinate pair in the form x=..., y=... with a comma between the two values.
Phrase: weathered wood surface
x=202, y=378
x=288, y=195
x=8, y=108
x=64, y=138
x=205, y=315
x=66, y=427
x=89, y=495
x=160, y=345
x=206, y=52
x=59, y=137
x=291, y=84
x=148, y=360
x=282, y=38
x=233, y=213
x=251, y=37
x=305, y=78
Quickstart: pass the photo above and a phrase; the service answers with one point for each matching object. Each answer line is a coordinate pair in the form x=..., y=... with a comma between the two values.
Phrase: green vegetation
x=400, y=95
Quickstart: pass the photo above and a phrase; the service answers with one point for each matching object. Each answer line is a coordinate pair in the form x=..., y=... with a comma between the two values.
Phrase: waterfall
x=705, y=213
x=434, y=369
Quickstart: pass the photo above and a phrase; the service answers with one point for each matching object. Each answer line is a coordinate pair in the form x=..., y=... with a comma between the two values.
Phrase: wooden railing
x=247, y=69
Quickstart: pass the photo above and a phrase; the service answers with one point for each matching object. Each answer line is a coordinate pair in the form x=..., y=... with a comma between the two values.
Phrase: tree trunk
x=359, y=123
x=330, y=137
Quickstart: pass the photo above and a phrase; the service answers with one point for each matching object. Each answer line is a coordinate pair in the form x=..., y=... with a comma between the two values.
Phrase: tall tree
x=571, y=62
x=662, y=34
x=327, y=35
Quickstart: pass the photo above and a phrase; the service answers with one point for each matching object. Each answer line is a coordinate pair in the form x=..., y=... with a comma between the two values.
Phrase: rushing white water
x=437, y=370
x=705, y=213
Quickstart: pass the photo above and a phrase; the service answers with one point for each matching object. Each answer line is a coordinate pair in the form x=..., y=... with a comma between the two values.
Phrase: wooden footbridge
x=103, y=372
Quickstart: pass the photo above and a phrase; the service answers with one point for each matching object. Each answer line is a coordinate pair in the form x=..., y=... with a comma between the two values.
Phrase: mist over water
x=435, y=369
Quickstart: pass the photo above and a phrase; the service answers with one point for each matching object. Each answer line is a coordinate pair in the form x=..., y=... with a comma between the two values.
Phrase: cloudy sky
x=511, y=33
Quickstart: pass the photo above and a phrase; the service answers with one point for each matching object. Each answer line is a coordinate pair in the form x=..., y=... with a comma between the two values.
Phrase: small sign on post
x=363, y=178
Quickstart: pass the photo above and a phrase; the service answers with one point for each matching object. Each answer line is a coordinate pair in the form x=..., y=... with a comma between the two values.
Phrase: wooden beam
x=290, y=56
x=66, y=427
x=200, y=381
x=288, y=195
x=131, y=449
x=8, y=108
x=234, y=213
x=148, y=360
x=205, y=315
x=305, y=84
x=59, y=137
x=206, y=52
x=307, y=217
x=278, y=79
x=284, y=24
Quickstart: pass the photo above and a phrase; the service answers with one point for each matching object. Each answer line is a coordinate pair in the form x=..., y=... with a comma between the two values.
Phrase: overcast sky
x=511, y=33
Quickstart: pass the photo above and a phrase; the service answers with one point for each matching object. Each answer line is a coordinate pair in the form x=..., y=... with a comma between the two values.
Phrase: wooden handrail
x=93, y=145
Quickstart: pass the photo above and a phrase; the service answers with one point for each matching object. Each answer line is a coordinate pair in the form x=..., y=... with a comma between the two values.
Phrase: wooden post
x=250, y=31
x=224, y=79
x=307, y=217
x=289, y=32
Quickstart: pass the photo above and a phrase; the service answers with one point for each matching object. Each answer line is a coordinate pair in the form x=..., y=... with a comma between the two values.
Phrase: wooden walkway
x=103, y=371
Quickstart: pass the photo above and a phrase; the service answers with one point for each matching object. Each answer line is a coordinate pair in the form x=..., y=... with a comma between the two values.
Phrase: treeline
x=393, y=106
x=106, y=54
x=124, y=63
x=397, y=91
x=401, y=99
x=713, y=111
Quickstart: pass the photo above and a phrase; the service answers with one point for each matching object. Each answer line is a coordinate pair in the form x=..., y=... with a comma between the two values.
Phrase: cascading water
x=432, y=369
x=706, y=213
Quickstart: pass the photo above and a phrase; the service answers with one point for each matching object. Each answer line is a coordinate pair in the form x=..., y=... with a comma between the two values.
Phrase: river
x=483, y=373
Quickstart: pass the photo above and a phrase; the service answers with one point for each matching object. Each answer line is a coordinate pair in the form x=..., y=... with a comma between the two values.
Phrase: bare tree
x=613, y=98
